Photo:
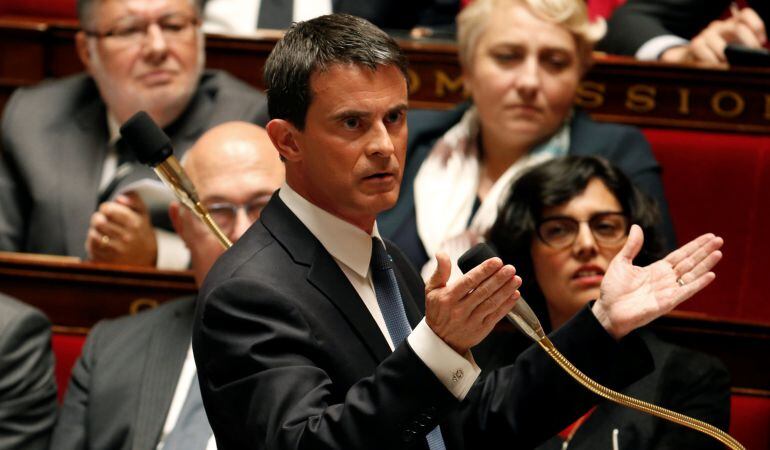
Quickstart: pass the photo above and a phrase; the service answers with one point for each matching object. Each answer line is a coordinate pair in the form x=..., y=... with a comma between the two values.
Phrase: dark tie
x=192, y=430
x=275, y=14
x=392, y=308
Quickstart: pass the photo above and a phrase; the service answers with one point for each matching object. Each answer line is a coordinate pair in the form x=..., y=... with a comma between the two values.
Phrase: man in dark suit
x=62, y=164
x=131, y=384
x=684, y=30
x=308, y=335
x=27, y=385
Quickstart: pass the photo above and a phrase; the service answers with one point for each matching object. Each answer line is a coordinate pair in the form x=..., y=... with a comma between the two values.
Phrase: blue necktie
x=392, y=308
x=192, y=430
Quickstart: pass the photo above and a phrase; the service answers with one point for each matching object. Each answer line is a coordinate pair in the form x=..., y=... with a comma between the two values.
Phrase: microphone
x=521, y=315
x=153, y=148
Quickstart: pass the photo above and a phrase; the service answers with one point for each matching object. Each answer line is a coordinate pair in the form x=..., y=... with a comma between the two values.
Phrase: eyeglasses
x=134, y=31
x=608, y=228
x=225, y=213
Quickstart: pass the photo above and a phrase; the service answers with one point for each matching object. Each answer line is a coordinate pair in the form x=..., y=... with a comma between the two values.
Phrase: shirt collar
x=347, y=243
x=113, y=127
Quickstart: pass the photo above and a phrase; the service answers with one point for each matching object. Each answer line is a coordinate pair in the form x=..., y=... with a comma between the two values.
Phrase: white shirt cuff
x=456, y=372
x=652, y=49
x=172, y=253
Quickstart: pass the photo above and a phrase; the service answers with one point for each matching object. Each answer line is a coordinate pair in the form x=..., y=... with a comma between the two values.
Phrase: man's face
x=351, y=152
x=232, y=173
x=156, y=70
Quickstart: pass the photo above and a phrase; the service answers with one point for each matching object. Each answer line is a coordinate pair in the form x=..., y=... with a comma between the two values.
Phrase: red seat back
x=62, y=9
x=66, y=348
x=750, y=421
x=720, y=183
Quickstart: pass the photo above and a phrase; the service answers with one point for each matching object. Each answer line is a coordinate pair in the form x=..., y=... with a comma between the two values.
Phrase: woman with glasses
x=561, y=225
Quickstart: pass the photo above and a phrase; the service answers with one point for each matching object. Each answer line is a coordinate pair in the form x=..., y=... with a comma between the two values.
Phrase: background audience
x=244, y=16
x=561, y=225
x=684, y=30
x=522, y=61
x=135, y=383
x=27, y=385
x=62, y=158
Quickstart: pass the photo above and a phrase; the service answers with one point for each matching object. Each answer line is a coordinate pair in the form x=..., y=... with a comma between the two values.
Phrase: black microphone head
x=475, y=256
x=145, y=138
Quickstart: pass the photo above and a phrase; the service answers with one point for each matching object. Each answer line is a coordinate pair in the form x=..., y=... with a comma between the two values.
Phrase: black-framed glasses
x=133, y=31
x=608, y=228
x=225, y=213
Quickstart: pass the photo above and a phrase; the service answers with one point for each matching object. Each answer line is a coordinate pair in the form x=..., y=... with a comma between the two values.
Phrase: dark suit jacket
x=27, y=384
x=289, y=357
x=638, y=21
x=123, y=383
x=622, y=145
x=54, y=143
x=684, y=381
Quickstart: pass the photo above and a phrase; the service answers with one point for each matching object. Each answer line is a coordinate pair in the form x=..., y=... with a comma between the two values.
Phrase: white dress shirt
x=242, y=16
x=351, y=248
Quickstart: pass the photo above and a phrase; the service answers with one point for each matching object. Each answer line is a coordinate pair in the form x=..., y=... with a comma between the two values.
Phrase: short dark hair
x=84, y=10
x=554, y=183
x=315, y=45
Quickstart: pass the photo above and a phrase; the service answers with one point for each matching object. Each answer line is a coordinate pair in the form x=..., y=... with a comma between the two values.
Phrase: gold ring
x=680, y=281
x=105, y=240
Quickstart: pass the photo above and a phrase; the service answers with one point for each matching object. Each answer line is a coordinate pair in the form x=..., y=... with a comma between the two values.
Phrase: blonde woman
x=522, y=62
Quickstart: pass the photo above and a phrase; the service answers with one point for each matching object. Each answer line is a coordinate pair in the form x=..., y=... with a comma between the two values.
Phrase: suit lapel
x=166, y=354
x=80, y=159
x=324, y=274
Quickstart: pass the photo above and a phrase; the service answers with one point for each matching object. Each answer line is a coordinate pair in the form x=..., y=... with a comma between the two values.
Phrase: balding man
x=135, y=384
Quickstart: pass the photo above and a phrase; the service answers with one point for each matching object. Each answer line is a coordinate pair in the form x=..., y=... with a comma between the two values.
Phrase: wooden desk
x=75, y=295
x=616, y=89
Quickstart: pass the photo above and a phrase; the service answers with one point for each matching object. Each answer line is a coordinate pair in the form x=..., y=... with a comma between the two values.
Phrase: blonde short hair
x=570, y=14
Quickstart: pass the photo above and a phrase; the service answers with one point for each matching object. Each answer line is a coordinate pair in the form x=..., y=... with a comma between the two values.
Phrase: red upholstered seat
x=66, y=348
x=64, y=9
x=750, y=421
x=719, y=182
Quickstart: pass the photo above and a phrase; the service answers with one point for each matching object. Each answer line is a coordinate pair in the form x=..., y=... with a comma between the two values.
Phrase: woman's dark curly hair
x=554, y=183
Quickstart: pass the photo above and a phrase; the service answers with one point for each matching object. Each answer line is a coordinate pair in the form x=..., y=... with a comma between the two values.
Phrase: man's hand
x=633, y=296
x=744, y=27
x=465, y=312
x=121, y=233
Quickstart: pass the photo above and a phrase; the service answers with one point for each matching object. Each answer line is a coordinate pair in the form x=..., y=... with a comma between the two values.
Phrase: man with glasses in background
x=63, y=170
x=135, y=385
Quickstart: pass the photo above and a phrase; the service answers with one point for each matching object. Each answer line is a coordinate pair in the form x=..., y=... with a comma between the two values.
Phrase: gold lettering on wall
x=684, y=101
x=590, y=94
x=640, y=98
x=718, y=107
x=140, y=304
x=444, y=83
x=414, y=81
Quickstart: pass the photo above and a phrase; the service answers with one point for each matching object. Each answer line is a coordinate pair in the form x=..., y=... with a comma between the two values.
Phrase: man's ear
x=175, y=214
x=284, y=135
x=81, y=45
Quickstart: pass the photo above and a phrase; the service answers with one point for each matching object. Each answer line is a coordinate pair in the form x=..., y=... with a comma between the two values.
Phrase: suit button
x=408, y=435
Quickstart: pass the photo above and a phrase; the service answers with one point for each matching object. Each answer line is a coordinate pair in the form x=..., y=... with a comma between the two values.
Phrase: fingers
x=133, y=201
x=441, y=274
x=491, y=309
x=703, y=267
x=475, y=277
x=633, y=244
x=749, y=18
x=701, y=255
x=691, y=288
x=119, y=215
x=685, y=251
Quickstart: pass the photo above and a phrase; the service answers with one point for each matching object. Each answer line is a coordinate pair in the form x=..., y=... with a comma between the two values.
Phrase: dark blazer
x=622, y=145
x=289, y=357
x=27, y=384
x=54, y=141
x=684, y=381
x=122, y=385
x=638, y=21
